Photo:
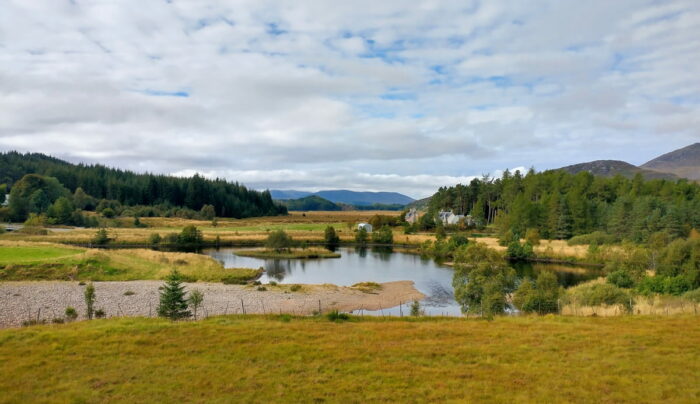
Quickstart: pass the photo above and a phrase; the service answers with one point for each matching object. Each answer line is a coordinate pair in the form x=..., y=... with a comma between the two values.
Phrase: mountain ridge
x=683, y=162
x=611, y=168
x=360, y=198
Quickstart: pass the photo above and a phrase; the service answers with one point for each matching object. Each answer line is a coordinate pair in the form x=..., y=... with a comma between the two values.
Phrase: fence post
x=319, y=306
x=242, y=306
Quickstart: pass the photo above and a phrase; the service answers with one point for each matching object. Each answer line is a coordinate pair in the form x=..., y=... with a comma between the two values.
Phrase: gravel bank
x=20, y=301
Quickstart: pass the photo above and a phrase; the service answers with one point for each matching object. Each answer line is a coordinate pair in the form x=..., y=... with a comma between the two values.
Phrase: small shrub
x=415, y=308
x=58, y=320
x=71, y=313
x=597, y=238
x=337, y=316
x=295, y=288
x=100, y=313
x=154, y=238
x=101, y=237
x=129, y=293
x=257, y=283
x=272, y=283
x=261, y=289
x=285, y=318
x=621, y=279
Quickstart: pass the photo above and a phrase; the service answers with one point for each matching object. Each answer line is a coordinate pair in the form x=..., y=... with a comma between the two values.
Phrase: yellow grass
x=112, y=265
x=287, y=359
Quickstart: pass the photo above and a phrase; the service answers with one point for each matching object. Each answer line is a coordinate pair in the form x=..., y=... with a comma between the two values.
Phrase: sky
x=388, y=95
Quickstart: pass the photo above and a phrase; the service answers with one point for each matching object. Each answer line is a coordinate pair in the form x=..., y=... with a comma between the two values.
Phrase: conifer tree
x=173, y=304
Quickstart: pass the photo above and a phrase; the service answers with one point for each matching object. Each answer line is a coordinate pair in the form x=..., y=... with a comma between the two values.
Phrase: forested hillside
x=561, y=205
x=128, y=188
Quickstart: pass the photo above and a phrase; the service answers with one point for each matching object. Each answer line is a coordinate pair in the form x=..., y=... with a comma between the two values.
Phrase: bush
x=279, y=241
x=108, y=213
x=670, y=285
x=100, y=313
x=621, y=279
x=415, y=308
x=129, y=293
x=383, y=236
x=597, y=237
x=295, y=288
x=261, y=289
x=331, y=237
x=519, y=252
x=540, y=297
x=71, y=313
x=154, y=239
x=337, y=316
x=190, y=235
x=361, y=237
x=101, y=237
x=599, y=294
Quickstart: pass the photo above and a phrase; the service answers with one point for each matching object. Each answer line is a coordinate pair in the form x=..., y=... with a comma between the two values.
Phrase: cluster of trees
x=131, y=189
x=560, y=205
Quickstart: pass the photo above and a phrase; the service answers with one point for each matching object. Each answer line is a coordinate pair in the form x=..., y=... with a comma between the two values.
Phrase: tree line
x=560, y=205
x=100, y=183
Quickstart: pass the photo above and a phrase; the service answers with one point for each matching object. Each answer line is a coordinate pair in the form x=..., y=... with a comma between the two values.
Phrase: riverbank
x=44, y=301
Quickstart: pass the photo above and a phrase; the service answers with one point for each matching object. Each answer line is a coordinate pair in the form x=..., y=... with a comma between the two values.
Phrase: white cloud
x=374, y=95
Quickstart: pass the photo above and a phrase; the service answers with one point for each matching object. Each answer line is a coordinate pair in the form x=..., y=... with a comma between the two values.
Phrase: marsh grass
x=309, y=359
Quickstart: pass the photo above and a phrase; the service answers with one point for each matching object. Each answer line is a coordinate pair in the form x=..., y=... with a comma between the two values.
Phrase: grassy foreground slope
x=267, y=359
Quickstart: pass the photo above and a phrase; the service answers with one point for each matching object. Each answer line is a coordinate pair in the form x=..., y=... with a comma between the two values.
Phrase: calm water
x=381, y=265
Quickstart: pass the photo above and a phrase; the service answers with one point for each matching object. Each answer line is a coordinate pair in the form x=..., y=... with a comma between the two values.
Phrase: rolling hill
x=611, y=168
x=347, y=197
x=683, y=162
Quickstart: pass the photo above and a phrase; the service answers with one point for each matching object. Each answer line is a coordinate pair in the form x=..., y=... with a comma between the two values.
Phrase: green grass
x=291, y=359
x=17, y=254
x=294, y=253
x=56, y=263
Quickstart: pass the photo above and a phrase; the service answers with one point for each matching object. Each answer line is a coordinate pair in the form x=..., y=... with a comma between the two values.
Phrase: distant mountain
x=347, y=197
x=365, y=198
x=311, y=202
x=283, y=195
x=611, y=168
x=683, y=162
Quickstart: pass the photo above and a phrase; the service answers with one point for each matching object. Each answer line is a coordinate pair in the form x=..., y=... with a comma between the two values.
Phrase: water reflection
x=382, y=264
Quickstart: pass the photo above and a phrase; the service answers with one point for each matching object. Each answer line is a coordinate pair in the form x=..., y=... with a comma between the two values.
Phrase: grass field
x=23, y=261
x=283, y=359
x=27, y=254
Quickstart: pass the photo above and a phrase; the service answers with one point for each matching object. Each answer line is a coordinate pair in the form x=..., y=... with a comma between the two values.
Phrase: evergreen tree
x=331, y=237
x=173, y=304
x=90, y=300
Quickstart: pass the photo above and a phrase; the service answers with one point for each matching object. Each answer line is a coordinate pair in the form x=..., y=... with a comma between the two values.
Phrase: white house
x=7, y=200
x=366, y=226
x=412, y=216
x=449, y=218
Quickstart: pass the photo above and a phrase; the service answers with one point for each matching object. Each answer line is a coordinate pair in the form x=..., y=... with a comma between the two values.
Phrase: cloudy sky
x=368, y=95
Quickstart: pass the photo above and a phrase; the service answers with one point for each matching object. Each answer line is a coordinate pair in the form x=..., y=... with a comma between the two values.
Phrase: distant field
x=282, y=359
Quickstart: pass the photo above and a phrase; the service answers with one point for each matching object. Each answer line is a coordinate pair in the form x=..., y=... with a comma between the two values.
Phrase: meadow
x=310, y=359
x=44, y=261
